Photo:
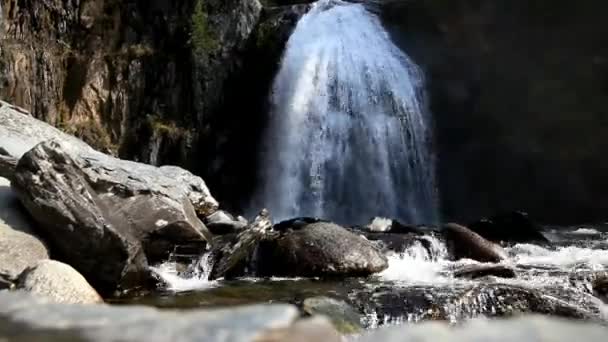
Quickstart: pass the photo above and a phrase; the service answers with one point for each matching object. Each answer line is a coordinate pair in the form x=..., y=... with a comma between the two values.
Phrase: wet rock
x=523, y=329
x=500, y=300
x=464, y=243
x=106, y=217
x=222, y=223
x=19, y=247
x=509, y=227
x=600, y=288
x=344, y=317
x=395, y=305
x=480, y=271
x=234, y=255
x=57, y=282
x=319, y=249
x=28, y=318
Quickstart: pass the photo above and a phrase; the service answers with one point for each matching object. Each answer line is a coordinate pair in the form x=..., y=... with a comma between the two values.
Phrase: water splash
x=196, y=277
x=349, y=134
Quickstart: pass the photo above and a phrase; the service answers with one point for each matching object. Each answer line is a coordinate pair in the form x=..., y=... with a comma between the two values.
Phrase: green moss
x=92, y=132
x=202, y=39
x=166, y=128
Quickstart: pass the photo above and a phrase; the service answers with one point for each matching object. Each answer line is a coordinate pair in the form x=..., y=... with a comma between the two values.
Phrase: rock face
x=319, y=250
x=509, y=227
x=39, y=320
x=58, y=282
x=464, y=243
x=108, y=217
x=19, y=247
x=494, y=70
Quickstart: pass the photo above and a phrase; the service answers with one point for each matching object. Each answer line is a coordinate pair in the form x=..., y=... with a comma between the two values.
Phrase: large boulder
x=58, y=282
x=464, y=243
x=20, y=132
x=319, y=249
x=509, y=227
x=107, y=217
x=19, y=247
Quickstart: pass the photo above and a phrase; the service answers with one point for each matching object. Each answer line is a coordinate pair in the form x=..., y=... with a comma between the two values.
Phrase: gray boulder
x=38, y=319
x=320, y=249
x=58, y=282
x=20, y=132
x=222, y=223
x=19, y=247
x=464, y=243
x=108, y=218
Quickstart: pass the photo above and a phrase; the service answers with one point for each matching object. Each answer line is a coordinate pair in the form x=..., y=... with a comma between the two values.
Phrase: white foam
x=417, y=264
x=527, y=254
x=586, y=231
x=179, y=282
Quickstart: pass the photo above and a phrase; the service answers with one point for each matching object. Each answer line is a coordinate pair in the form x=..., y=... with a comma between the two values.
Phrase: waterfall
x=349, y=133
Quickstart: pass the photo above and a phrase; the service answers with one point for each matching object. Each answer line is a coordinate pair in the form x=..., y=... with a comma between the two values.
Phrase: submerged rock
x=344, y=317
x=509, y=227
x=108, y=217
x=480, y=271
x=319, y=249
x=58, y=282
x=464, y=243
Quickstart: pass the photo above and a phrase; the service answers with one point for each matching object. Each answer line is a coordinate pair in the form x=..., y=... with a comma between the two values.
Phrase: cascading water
x=349, y=134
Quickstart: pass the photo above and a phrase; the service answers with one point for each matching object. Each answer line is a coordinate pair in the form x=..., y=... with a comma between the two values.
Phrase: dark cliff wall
x=519, y=91
x=165, y=82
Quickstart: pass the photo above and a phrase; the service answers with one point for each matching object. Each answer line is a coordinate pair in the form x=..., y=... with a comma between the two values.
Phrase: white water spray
x=349, y=134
